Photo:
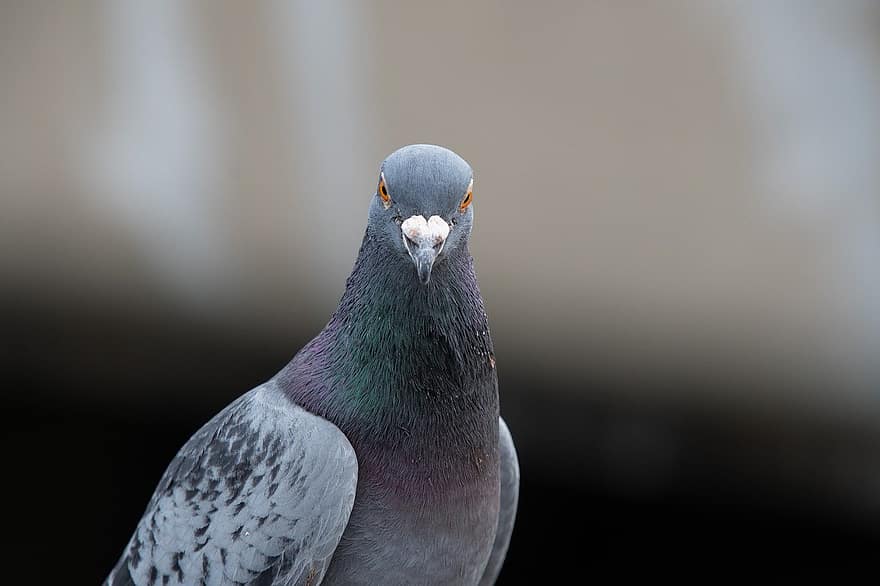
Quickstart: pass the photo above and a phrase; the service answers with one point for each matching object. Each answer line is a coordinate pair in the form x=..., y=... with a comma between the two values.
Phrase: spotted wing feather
x=261, y=494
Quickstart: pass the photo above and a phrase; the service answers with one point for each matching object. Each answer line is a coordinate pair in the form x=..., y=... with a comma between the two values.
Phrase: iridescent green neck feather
x=402, y=358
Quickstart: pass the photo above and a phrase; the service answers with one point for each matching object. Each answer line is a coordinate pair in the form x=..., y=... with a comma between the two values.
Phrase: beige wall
x=660, y=187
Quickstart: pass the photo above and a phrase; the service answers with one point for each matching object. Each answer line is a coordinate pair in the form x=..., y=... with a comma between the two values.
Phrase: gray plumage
x=260, y=495
x=509, y=501
x=377, y=455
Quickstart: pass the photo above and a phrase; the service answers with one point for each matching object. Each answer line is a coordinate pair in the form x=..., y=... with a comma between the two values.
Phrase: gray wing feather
x=261, y=494
x=507, y=509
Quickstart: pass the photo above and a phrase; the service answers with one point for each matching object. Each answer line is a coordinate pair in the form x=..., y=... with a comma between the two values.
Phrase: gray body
x=265, y=493
x=449, y=541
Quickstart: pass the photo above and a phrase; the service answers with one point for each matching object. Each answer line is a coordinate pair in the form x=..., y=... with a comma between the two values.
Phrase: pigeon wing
x=507, y=509
x=261, y=494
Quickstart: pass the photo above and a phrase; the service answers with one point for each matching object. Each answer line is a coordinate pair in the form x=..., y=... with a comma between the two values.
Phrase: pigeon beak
x=424, y=240
x=424, y=258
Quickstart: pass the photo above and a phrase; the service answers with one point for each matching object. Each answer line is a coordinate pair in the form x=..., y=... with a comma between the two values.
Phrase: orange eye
x=382, y=190
x=468, y=198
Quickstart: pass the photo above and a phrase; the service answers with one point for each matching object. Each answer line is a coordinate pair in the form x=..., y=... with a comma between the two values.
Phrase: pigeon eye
x=468, y=198
x=382, y=190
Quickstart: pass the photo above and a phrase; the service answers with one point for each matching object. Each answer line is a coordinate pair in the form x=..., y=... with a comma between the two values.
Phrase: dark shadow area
x=96, y=409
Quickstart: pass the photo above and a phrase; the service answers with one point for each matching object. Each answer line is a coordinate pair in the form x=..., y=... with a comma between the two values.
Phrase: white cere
x=434, y=230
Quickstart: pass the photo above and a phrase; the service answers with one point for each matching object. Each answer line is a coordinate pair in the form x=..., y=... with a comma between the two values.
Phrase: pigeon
x=378, y=454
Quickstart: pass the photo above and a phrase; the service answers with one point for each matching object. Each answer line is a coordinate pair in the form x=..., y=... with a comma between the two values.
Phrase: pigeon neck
x=421, y=339
x=396, y=350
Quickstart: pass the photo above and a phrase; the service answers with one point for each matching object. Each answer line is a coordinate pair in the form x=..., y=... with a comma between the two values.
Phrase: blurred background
x=677, y=239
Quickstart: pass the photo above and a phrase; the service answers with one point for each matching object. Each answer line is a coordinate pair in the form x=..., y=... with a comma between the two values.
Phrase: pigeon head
x=422, y=209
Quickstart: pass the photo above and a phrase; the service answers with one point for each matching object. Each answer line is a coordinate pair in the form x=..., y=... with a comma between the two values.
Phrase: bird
x=377, y=455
